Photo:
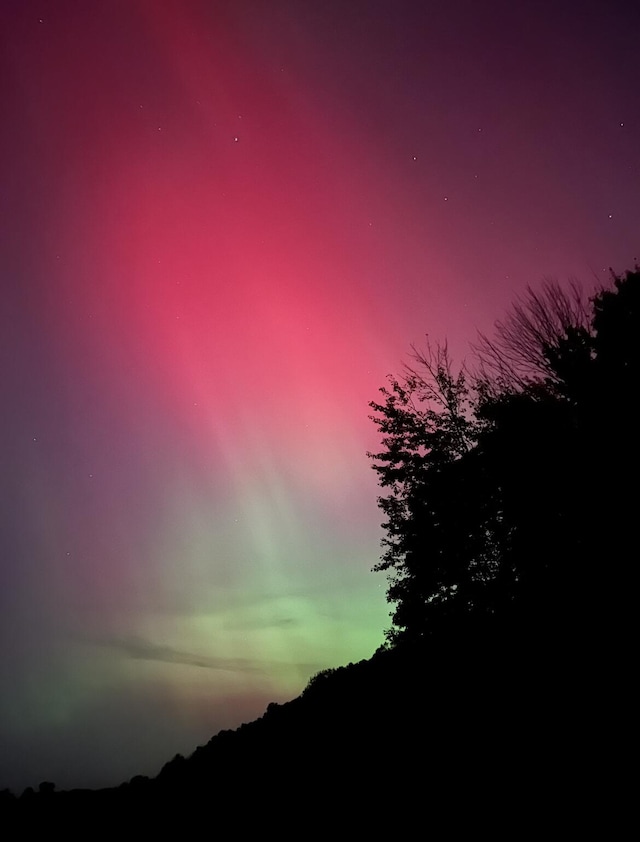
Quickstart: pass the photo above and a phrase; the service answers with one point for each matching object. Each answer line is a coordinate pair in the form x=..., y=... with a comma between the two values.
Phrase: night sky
x=223, y=225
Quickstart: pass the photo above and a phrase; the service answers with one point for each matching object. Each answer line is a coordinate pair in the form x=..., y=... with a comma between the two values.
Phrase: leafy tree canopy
x=506, y=486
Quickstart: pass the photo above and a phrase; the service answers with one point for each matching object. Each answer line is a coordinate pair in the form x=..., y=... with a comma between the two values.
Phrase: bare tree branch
x=529, y=341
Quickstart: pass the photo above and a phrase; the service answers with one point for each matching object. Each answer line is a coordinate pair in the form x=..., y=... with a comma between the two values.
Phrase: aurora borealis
x=223, y=225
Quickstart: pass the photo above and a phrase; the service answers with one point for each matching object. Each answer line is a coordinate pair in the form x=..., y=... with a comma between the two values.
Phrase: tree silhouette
x=435, y=506
x=543, y=338
x=499, y=484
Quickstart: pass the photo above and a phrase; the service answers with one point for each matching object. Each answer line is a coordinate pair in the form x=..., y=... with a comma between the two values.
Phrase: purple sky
x=223, y=225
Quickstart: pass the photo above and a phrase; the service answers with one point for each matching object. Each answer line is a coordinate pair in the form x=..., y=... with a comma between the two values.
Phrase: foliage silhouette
x=499, y=482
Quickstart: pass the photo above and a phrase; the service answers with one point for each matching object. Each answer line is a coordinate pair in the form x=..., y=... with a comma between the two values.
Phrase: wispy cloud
x=249, y=623
x=147, y=650
x=139, y=648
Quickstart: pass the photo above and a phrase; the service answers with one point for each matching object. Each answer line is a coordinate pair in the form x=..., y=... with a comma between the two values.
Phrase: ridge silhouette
x=502, y=698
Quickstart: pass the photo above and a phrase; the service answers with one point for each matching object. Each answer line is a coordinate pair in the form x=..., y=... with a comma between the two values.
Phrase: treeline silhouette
x=502, y=696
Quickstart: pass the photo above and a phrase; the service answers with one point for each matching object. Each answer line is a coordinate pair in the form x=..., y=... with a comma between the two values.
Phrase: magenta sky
x=223, y=224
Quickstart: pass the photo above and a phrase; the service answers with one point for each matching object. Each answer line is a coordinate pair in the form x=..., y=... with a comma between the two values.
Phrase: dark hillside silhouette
x=501, y=700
